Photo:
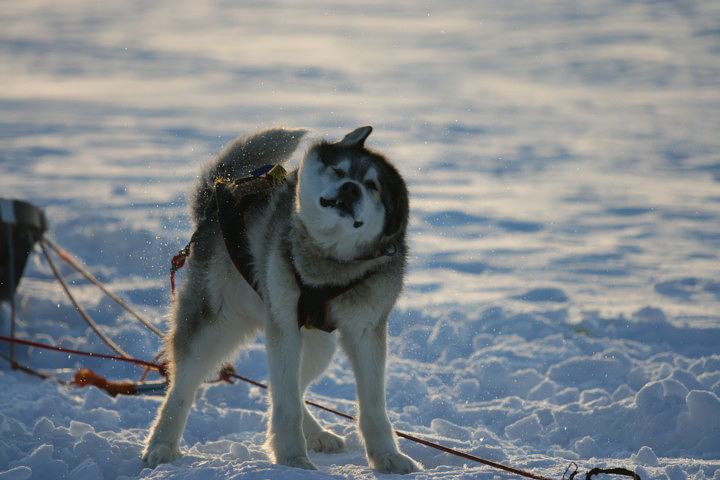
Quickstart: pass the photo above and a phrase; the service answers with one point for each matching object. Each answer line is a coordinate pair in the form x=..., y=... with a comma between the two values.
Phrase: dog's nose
x=350, y=192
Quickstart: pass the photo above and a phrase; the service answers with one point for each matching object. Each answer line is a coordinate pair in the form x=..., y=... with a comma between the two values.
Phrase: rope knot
x=226, y=374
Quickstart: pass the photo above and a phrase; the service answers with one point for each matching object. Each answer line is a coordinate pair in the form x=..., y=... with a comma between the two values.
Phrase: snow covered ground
x=563, y=299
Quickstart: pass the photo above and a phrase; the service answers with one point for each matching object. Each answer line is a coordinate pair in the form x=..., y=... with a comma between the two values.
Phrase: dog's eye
x=371, y=185
x=338, y=172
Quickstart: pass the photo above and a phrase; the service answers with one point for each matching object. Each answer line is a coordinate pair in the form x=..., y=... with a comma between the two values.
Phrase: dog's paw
x=394, y=462
x=299, y=461
x=326, y=442
x=159, y=453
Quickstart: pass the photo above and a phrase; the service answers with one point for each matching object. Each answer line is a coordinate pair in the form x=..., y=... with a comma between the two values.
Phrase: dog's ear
x=356, y=138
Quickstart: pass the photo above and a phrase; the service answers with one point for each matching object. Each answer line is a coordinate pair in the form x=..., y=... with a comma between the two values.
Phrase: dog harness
x=234, y=199
x=313, y=301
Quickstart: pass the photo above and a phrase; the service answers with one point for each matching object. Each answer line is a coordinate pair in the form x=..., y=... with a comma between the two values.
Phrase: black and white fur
x=342, y=214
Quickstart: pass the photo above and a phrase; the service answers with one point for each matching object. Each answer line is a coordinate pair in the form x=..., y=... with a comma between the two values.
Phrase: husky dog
x=337, y=224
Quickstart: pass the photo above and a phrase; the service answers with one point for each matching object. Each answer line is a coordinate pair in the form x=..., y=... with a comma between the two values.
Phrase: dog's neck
x=314, y=264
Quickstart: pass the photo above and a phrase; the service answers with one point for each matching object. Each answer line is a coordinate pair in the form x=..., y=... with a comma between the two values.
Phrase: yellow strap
x=276, y=174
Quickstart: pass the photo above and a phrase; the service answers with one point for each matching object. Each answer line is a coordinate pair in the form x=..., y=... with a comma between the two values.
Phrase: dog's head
x=351, y=200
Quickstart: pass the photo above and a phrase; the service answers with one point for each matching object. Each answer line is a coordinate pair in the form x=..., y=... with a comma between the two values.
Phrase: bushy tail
x=241, y=157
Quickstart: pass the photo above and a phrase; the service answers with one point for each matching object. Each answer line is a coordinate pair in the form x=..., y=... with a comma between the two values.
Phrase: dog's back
x=238, y=159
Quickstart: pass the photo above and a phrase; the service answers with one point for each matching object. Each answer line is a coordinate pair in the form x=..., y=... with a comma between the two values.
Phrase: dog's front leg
x=366, y=351
x=285, y=435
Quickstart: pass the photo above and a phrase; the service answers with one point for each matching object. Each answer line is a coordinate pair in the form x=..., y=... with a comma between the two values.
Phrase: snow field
x=562, y=299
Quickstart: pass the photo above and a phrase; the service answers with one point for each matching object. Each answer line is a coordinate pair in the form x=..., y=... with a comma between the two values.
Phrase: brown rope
x=88, y=319
x=17, y=366
x=468, y=456
x=67, y=258
x=71, y=351
x=412, y=438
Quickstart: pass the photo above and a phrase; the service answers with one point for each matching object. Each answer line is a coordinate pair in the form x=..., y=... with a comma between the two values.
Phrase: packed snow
x=563, y=298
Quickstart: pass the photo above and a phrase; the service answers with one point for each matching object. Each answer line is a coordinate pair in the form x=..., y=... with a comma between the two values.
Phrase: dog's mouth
x=342, y=207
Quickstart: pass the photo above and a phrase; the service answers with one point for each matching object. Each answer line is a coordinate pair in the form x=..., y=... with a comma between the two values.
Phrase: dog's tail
x=241, y=157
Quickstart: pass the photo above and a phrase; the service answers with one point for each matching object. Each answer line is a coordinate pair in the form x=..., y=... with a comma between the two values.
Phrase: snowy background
x=563, y=298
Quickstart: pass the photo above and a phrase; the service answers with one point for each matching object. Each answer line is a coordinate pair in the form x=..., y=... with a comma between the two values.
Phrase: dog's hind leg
x=186, y=370
x=165, y=433
x=317, y=351
x=200, y=340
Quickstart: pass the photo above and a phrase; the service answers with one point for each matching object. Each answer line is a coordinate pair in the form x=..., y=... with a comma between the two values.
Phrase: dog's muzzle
x=348, y=195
